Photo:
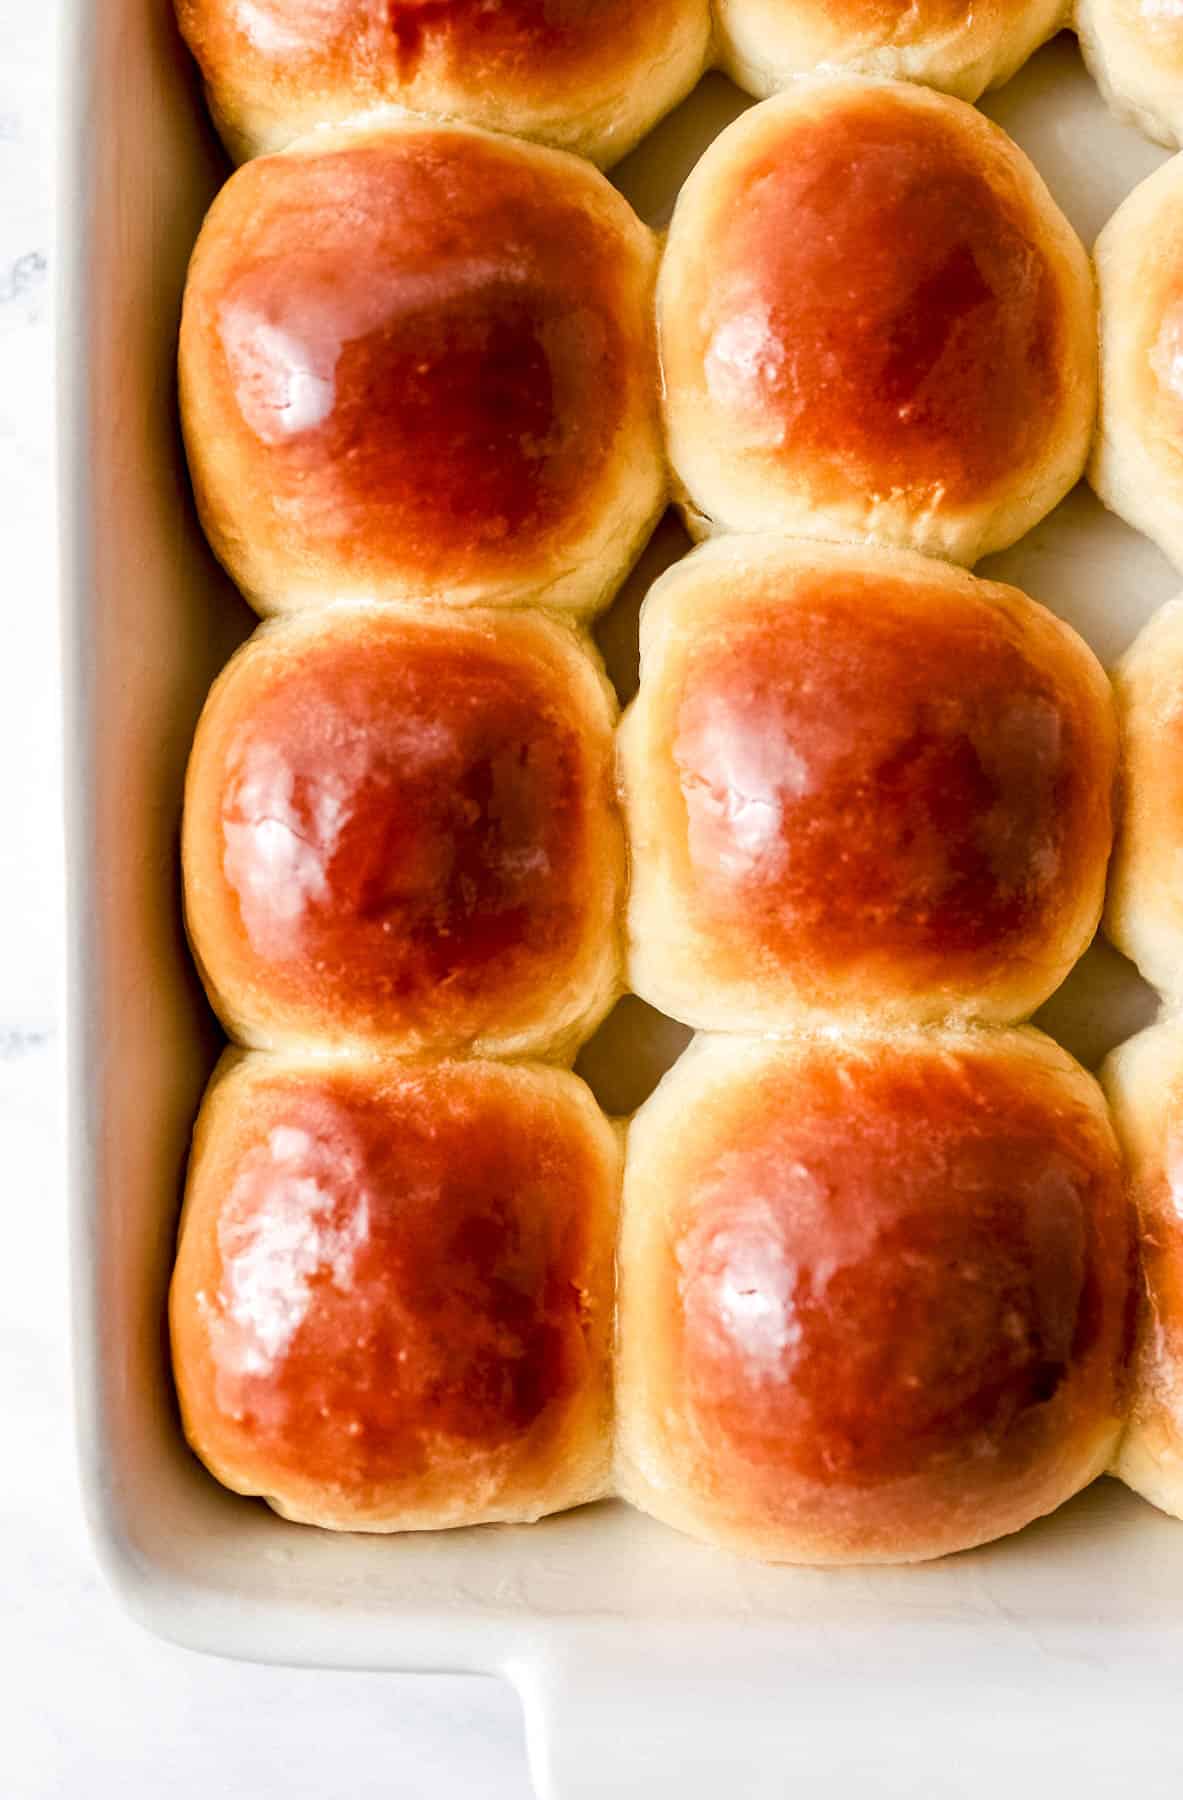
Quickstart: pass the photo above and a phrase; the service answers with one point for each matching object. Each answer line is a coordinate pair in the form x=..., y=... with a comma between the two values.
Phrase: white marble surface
x=89, y=1705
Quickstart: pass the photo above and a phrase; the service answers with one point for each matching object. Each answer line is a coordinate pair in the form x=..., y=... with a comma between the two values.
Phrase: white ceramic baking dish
x=1050, y=1663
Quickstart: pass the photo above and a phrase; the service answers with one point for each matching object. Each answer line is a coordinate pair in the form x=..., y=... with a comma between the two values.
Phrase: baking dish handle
x=992, y=1713
x=600, y=1729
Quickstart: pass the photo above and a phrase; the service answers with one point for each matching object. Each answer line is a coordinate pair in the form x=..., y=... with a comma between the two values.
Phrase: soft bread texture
x=874, y=1293
x=417, y=362
x=1137, y=462
x=947, y=44
x=875, y=324
x=1134, y=52
x=583, y=76
x=860, y=784
x=400, y=832
x=1144, y=904
x=392, y=1303
x=1144, y=1081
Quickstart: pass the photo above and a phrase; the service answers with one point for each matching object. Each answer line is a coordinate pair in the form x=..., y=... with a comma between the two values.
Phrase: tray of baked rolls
x=624, y=713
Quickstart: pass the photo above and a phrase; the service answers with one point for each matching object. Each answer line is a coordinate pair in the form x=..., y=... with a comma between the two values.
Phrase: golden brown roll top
x=875, y=324
x=948, y=44
x=392, y=1304
x=584, y=76
x=873, y=1293
x=859, y=784
x=1134, y=51
x=1137, y=462
x=1144, y=1080
x=1144, y=904
x=400, y=831
x=417, y=362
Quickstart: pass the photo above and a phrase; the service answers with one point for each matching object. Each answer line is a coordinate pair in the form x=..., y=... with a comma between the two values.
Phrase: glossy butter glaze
x=877, y=304
x=418, y=362
x=589, y=76
x=376, y=46
x=868, y=773
x=876, y=1297
x=404, y=830
x=898, y=1278
x=390, y=1280
x=452, y=382
x=507, y=35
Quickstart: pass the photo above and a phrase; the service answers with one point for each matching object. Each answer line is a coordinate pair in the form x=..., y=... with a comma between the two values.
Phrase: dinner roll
x=392, y=1303
x=418, y=363
x=875, y=324
x=1144, y=1079
x=861, y=783
x=400, y=828
x=955, y=45
x=1134, y=50
x=1137, y=462
x=873, y=1293
x=1144, y=906
x=586, y=75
